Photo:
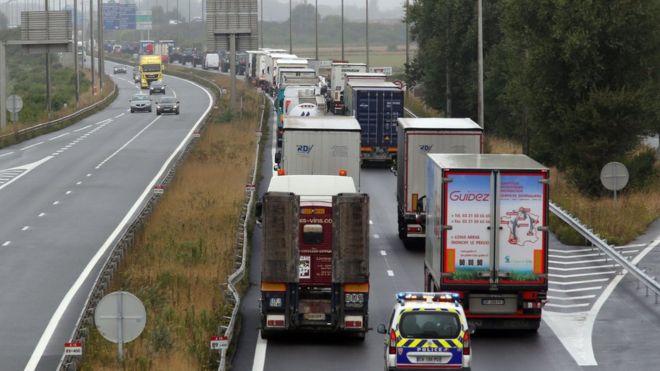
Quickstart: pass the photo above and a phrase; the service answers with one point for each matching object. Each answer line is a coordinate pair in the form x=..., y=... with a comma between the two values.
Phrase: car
x=427, y=331
x=157, y=87
x=118, y=69
x=136, y=76
x=140, y=102
x=168, y=104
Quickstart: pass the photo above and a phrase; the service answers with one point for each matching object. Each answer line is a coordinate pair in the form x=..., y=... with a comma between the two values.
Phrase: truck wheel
x=266, y=335
x=402, y=229
x=360, y=336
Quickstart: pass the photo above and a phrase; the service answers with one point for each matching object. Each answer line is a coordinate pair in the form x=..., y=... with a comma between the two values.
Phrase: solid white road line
x=390, y=273
x=577, y=282
x=259, y=353
x=26, y=169
x=582, y=274
x=608, y=266
x=571, y=297
x=31, y=146
x=6, y=154
x=577, y=261
x=577, y=290
x=580, y=305
x=83, y=128
x=127, y=143
x=73, y=290
x=59, y=136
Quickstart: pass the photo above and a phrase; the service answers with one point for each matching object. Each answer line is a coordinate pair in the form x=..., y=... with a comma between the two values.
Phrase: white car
x=429, y=331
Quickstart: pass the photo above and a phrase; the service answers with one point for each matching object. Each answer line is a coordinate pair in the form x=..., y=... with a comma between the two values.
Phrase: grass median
x=186, y=250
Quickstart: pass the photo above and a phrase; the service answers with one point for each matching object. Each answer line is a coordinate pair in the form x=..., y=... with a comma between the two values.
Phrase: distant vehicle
x=157, y=87
x=487, y=226
x=173, y=21
x=118, y=69
x=427, y=331
x=337, y=82
x=197, y=20
x=136, y=76
x=211, y=60
x=140, y=102
x=167, y=104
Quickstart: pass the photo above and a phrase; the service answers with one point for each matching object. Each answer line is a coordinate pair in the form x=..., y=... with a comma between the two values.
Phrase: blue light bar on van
x=446, y=297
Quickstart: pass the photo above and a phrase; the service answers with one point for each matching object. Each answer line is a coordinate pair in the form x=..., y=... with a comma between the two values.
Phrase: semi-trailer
x=315, y=256
x=417, y=137
x=487, y=236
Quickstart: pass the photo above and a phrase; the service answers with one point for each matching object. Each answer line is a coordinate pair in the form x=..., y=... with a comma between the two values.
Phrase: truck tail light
x=414, y=229
x=275, y=320
x=353, y=322
x=466, y=343
x=281, y=172
x=530, y=295
x=392, y=348
x=343, y=172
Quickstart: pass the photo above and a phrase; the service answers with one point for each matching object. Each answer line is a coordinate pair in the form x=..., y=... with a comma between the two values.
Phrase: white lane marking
x=582, y=274
x=371, y=222
x=41, y=214
x=6, y=243
x=571, y=297
x=120, y=115
x=88, y=175
x=580, y=305
x=25, y=228
x=127, y=143
x=592, y=249
x=67, y=193
x=46, y=336
x=6, y=154
x=79, y=182
x=577, y=290
x=575, y=330
x=259, y=353
x=608, y=266
x=102, y=123
x=577, y=282
x=390, y=273
x=83, y=128
x=173, y=92
x=56, y=202
x=59, y=136
x=31, y=146
x=26, y=169
x=376, y=236
x=383, y=252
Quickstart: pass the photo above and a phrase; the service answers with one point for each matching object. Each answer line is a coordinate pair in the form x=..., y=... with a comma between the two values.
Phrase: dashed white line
x=31, y=146
x=67, y=193
x=383, y=252
x=83, y=128
x=120, y=115
x=376, y=236
x=25, y=228
x=56, y=202
x=79, y=182
x=41, y=214
x=6, y=154
x=88, y=175
x=59, y=136
x=390, y=273
x=6, y=243
x=371, y=222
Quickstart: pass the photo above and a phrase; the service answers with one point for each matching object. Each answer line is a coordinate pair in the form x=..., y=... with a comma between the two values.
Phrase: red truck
x=487, y=236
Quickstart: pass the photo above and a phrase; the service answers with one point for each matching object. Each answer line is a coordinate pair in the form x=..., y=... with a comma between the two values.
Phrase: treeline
x=577, y=82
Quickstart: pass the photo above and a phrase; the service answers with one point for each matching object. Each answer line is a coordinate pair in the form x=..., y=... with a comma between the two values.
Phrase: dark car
x=118, y=69
x=157, y=87
x=140, y=102
x=167, y=104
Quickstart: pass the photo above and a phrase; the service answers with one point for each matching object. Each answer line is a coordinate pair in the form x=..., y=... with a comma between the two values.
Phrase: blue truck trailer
x=376, y=106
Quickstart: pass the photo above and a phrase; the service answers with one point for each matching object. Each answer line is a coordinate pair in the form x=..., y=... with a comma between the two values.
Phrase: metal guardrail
x=71, y=116
x=116, y=254
x=409, y=112
x=609, y=250
x=241, y=246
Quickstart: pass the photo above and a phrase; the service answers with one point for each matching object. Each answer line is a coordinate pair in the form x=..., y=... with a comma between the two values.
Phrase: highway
x=66, y=197
x=586, y=303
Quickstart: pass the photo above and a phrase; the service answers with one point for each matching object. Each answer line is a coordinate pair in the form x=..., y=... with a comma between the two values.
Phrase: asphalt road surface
x=617, y=343
x=65, y=197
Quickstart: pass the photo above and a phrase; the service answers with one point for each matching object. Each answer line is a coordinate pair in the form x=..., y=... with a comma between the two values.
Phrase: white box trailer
x=322, y=145
x=338, y=71
x=417, y=137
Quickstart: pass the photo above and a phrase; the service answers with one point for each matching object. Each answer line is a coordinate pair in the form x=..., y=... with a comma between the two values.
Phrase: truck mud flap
x=281, y=213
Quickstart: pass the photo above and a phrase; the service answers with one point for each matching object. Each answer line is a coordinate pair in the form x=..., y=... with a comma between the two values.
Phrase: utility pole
x=480, y=52
x=99, y=21
x=342, y=30
x=447, y=65
x=316, y=27
x=91, y=42
x=367, y=31
x=75, y=50
x=290, y=28
x=407, y=30
x=48, y=97
x=261, y=26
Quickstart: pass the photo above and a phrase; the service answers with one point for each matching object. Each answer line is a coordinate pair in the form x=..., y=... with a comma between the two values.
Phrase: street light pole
x=91, y=42
x=99, y=21
x=342, y=30
x=316, y=27
x=407, y=31
x=480, y=52
x=290, y=28
x=48, y=97
x=261, y=28
x=367, y=31
x=76, y=71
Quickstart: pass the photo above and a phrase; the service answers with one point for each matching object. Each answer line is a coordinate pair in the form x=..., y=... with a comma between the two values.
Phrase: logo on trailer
x=304, y=149
x=426, y=147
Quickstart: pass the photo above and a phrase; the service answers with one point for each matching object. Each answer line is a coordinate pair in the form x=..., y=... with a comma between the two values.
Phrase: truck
x=416, y=137
x=323, y=145
x=151, y=69
x=337, y=72
x=487, y=238
x=298, y=100
x=377, y=106
x=315, y=256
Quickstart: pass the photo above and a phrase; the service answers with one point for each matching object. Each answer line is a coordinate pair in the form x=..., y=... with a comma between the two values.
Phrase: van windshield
x=429, y=325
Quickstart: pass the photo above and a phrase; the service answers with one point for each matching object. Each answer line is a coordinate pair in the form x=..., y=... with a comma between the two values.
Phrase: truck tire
x=266, y=335
x=360, y=336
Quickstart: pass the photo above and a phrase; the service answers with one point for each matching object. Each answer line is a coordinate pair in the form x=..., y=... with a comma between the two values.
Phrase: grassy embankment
x=619, y=222
x=186, y=250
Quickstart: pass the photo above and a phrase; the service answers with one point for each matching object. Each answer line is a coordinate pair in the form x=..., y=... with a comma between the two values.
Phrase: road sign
x=120, y=317
x=73, y=349
x=143, y=20
x=14, y=103
x=118, y=16
x=614, y=176
x=219, y=342
x=159, y=189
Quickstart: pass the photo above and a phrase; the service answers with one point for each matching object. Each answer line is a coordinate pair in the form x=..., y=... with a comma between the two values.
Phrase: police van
x=427, y=331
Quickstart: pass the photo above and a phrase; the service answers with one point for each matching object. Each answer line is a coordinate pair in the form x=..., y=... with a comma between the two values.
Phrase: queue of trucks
x=481, y=218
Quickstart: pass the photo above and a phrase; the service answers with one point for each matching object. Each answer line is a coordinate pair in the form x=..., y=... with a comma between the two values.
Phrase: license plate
x=492, y=301
x=428, y=359
x=314, y=316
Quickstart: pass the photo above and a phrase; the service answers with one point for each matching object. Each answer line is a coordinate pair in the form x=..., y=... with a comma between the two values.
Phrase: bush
x=641, y=167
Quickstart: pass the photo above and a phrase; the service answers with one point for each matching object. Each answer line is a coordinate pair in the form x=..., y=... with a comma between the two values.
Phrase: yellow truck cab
x=151, y=69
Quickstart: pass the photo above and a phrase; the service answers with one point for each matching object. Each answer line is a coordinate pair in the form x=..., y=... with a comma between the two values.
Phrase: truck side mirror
x=258, y=211
x=420, y=205
x=381, y=329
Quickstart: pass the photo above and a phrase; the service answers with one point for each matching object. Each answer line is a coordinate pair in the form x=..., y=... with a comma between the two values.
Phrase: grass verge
x=186, y=250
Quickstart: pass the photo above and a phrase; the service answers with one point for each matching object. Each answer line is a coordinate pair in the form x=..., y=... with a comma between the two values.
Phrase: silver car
x=140, y=103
